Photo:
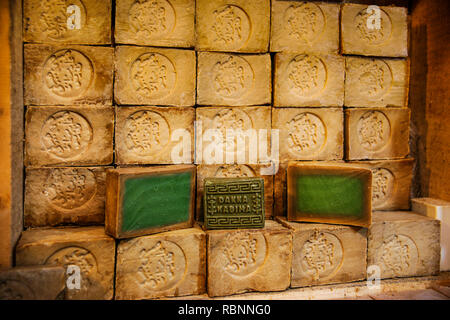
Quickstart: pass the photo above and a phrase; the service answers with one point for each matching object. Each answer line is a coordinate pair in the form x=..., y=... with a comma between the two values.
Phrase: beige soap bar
x=154, y=135
x=65, y=136
x=309, y=133
x=308, y=80
x=374, y=82
x=440, y=210
x=233, y=25
x=154, y=76
x=233, y=80
x=235, y=171
x=374, y=31
x=168, y=264
x=304, y=27
x=67, y=21
x=32, y=283
x=234, y=132
x=68, y=195
x=391, y=183
x=377, y=133
x=67, y=75
x=89, y=248
x=249, y=260
x=324, y=253
x=161, y=23
x=403, y=244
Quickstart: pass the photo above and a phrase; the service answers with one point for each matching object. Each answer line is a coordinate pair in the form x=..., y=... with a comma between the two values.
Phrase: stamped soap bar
x=232, y=25
x=324, y=253
x=67, y=75
x=329, y=193
x=374, y=31
x=142, y=201
x=232, y=203
x=67, y=21
x=87, y=250
x=403, y=244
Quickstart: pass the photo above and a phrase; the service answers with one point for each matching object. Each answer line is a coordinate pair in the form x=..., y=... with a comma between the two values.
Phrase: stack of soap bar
x=389, y=38
x=162, y=265
x=329, y=193
x=141, y=201
x=325, y=253
x=403, y=244
x=440, y=210
x=231, y=203
x=88, y=248
x=32, y=283
x=249, y=260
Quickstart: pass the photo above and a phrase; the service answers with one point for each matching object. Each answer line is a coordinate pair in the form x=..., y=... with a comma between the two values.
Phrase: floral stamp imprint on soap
x=66, y=135
x=304, y=21
x=153, y=75
x=146, y=132
x=67, y=73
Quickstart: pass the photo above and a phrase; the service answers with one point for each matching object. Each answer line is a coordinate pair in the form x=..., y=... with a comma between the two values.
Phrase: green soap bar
x=156, y=201
x=232, y=203
x=331, y=195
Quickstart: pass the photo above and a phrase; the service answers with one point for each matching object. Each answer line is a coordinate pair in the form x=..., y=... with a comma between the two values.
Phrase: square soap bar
x=168, y=264
x=142, y=201
x=154, y=76
x=403, y=244
x=232, y=134
x=225, y=79
x=325, y=253
x=232, y=203
x=89, y=248
x=308, y=80
x=66, y=195
x=305, y=27
x=32, y=283
x=235, y=171
x=233, y=25
x=391, y=182
x=374, y=31
x=69, y=136
x=309, y=133
x=440, y=210
x=67, y=75
x=377, y=133
x=74, y=22
x=329, y=193
x=249, y=260
x=161, y=23
x=375, y=82
x=148, y=135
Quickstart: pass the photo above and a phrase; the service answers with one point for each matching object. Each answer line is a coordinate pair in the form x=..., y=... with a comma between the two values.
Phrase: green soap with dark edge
x=329, y=193
x=156, y=201
x=233, y=203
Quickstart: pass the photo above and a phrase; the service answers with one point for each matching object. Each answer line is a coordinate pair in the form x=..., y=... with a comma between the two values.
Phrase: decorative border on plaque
x=232, y=203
